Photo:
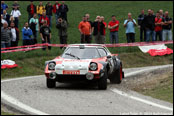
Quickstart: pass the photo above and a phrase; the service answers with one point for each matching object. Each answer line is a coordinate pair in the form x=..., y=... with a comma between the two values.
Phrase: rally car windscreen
x=76, y=52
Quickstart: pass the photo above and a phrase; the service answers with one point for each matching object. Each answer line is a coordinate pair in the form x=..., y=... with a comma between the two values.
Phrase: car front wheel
x=102, y=83
x=51, y=83
x=117, y=76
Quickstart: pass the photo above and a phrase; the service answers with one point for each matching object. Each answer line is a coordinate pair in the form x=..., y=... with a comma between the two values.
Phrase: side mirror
x=109, y=56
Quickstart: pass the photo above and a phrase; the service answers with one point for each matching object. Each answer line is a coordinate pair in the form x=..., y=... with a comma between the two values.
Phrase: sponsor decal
x=71, y=72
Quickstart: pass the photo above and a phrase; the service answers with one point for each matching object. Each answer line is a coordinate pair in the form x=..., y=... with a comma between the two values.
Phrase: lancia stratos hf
x=85, y=62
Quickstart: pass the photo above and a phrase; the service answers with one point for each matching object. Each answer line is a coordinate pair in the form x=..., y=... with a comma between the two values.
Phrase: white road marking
x=140, y=100
x=21, y=78
x=147, y=69
x=20, y=104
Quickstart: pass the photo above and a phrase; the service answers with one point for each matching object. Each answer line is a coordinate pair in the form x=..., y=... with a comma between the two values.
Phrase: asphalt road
x=31, y=96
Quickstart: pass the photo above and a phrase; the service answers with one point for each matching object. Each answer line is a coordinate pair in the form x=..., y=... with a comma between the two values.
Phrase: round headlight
x=93, y=66
x=51, y=66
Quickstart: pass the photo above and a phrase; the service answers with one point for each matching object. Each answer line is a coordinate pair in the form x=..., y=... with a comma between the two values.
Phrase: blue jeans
x=150, y=33
x=130, y=37
x=50, y=19
x=165, y=33
x=158, y=34
x=5, y=45
x=114, y=37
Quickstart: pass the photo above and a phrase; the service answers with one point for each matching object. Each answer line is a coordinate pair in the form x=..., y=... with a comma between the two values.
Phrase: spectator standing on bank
x=62, y=27
x=167, y=26
x=16, y=14
x=85, y=30
x=98, y=30
x=27, y=35
x=44, y=18
x=31, y=9
x=15, y=35
x=34, y=25
x=104, y=29
x=158, y=27
x=91, y=23
x=142, y=26
x=40, y=9
x=149, y=21
x=130, y=24
x=11, y=20
x=45, y=34
x=161, y=13
x=6, y=36
x=49, y=10
x=56, y=10
x=6, y=16
x=15, y=5
x=64, y=9
x=3, y=6
x=2, y=21
x=113, y=26
x=88, y=19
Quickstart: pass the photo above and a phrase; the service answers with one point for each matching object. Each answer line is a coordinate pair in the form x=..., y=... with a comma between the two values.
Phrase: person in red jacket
x=44, y=18
x=56, y=10
x=158, y=26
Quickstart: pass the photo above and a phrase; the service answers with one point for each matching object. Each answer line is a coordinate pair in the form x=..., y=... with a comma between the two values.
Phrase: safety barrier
x=39, y=46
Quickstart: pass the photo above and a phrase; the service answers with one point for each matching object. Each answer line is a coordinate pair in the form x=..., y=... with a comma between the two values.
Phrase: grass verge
x=160, y=87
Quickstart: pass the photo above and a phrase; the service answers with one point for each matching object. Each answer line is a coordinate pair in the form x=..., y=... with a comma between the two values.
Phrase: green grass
x=5, y=113
x=161, y=89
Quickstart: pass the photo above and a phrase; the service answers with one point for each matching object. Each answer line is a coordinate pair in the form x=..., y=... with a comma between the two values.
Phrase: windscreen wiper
x=72, y=55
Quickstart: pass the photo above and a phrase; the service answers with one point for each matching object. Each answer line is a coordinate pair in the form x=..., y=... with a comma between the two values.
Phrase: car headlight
x=93, y=66
x=51, y=66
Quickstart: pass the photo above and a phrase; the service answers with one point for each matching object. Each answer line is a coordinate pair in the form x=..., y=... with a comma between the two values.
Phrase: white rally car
x=84, y=62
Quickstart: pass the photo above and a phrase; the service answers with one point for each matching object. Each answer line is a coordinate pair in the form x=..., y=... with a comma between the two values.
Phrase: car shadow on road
x=76, y=86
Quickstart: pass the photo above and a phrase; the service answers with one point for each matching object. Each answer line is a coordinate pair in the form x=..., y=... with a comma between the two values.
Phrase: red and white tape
x=38, y=46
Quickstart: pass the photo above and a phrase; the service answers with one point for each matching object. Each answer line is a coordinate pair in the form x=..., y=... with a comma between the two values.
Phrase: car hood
x=73, y=65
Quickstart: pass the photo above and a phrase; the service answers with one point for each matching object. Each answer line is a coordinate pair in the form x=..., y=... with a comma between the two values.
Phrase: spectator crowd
x=153, y=26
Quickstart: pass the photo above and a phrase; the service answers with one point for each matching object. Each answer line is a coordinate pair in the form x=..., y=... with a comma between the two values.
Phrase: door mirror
x=109, y=56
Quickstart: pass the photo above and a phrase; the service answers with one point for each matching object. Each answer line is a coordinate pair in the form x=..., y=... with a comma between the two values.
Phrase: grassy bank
x=161, y=87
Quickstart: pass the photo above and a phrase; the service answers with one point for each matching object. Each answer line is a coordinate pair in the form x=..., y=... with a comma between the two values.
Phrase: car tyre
x=51, y=83
x=102, y=83
x=117, y=76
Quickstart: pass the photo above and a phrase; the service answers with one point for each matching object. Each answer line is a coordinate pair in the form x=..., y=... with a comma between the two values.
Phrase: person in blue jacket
x=27, y=35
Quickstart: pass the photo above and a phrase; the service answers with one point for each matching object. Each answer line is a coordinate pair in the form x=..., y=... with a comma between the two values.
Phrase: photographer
x=62, y=27
x=130, y=23
x=98, y=26
x=27, y=35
